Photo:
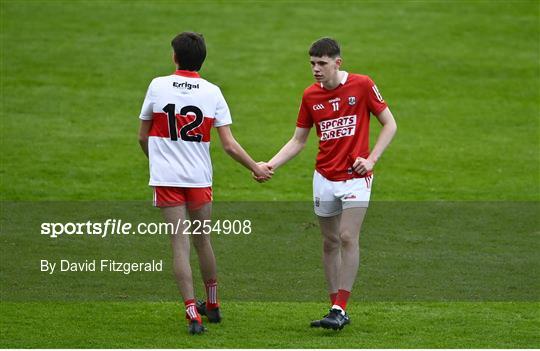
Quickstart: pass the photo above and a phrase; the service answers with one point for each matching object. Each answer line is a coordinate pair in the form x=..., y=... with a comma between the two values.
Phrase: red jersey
x=341, y=118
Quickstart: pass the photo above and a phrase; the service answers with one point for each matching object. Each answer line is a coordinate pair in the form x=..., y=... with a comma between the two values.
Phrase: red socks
x=191, y=310
x=211, y=301
x=333, y=298
x=211, y=294
x=342, y=298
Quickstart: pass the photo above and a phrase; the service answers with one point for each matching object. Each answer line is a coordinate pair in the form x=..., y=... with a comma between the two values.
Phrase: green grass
x=269, y=325
x=462, y=79
x=452, y=232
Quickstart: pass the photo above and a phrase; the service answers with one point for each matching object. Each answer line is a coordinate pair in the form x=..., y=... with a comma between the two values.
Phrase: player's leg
x=181, y=251
x=334, y=233
x=355, y=199
x=328, y=210
x=181, y=267
x=331, y=256
x=349, y=231
x=202, y=244
x=200, y=209
x=355, y=195
x=171, y=201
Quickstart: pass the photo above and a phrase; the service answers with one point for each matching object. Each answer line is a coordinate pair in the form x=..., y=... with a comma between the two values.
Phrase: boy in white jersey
x=176, y=118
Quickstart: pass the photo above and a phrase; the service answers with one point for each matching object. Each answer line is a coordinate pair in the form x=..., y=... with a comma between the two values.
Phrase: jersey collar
x=190, y=74
x=343, y=80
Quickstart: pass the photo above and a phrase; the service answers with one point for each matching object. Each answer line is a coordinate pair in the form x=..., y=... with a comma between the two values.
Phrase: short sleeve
x=148, y=105
x=223, y=115
x=375, y=100
x=304, y=116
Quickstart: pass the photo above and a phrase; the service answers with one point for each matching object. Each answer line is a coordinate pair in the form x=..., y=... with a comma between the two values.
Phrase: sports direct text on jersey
x=338, y=127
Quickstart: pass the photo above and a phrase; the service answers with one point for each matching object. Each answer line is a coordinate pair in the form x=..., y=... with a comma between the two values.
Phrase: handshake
x=263, y=172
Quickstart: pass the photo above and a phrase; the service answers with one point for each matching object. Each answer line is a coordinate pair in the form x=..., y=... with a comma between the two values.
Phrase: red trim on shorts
x=193, y=198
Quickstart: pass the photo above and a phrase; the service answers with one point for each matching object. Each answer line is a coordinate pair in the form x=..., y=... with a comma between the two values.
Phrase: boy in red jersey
x=339, y=105
x=176, y=118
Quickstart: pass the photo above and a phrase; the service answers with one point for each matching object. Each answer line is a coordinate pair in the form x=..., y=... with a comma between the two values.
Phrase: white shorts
x=330, y=198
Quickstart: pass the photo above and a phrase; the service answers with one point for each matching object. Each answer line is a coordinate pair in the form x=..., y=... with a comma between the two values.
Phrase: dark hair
x=190, y=50
x=325, y=47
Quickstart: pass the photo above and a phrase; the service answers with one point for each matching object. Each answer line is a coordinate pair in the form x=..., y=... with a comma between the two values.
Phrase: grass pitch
x=266, y=325
x=462, y=79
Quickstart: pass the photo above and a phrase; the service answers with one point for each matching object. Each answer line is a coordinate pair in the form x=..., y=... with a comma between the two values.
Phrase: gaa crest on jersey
x=352, y=100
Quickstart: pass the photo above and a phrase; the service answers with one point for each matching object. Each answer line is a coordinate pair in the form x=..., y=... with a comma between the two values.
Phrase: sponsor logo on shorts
x=350, y=197
x=338, y=127
x=317, y=202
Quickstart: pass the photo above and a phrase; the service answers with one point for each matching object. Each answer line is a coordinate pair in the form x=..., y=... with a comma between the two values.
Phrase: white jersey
x=183, y=108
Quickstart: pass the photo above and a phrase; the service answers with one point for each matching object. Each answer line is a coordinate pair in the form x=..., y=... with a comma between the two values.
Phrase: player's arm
x=291, y=149
x=144, y=131
x=235, y=150
x=389, y=128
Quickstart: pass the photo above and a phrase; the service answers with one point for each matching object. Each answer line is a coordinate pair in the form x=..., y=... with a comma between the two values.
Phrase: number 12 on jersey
x=170, y=109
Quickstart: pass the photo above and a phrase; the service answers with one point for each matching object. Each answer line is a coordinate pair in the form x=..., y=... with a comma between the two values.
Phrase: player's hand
x=263, y=173
x=363, y=166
